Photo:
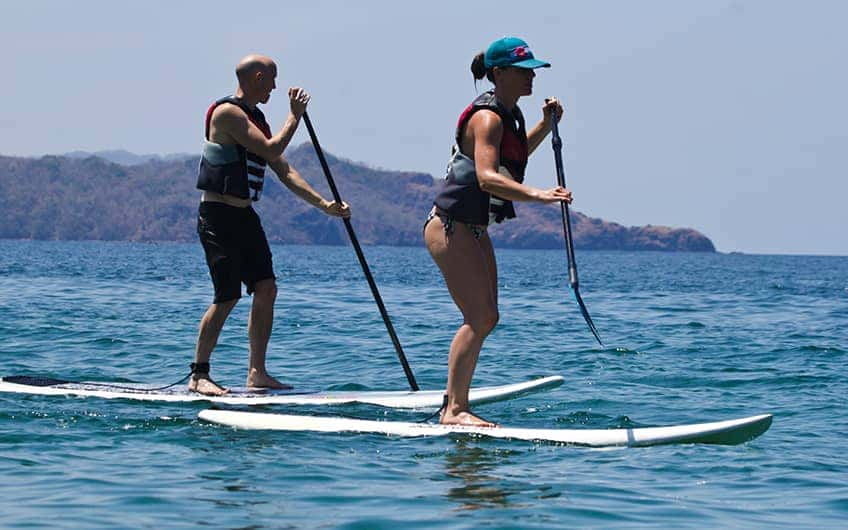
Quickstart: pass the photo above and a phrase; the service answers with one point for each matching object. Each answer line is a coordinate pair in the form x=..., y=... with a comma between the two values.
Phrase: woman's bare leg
x=491, y=263
x=466, y=267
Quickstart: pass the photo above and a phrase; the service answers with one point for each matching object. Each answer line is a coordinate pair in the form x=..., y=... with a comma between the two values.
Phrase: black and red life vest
x=460, y=196
x=232, y=169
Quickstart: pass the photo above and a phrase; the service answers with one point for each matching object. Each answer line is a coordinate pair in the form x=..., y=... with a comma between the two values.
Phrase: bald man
x=239, y=145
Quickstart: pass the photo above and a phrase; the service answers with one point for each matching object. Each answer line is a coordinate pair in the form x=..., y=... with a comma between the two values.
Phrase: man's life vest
x=460, y=195
x=232, y=169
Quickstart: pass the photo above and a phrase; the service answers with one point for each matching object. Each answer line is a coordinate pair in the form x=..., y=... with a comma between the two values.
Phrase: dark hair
x=479, y=70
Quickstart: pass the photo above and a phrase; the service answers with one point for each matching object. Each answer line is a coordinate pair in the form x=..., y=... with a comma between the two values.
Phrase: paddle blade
x=586, y=317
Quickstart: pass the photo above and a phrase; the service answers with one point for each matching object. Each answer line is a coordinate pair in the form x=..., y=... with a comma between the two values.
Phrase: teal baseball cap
x=511, y=51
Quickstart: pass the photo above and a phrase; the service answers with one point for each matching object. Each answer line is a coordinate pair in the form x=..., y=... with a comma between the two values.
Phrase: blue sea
x=689, y=338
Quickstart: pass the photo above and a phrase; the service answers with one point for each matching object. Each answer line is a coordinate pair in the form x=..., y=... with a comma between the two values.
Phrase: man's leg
x=210, y=328
x=259, y=331
x=216, y=224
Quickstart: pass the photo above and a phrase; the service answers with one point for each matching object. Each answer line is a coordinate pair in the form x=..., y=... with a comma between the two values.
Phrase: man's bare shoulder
x=226, y=123
x=227, y=113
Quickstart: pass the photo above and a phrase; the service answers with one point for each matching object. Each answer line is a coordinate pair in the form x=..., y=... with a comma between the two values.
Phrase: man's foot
x=255, y=379
x=203, y=384
x=465, y=418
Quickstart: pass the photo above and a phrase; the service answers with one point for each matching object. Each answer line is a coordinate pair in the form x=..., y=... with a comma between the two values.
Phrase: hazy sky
x=727, y=117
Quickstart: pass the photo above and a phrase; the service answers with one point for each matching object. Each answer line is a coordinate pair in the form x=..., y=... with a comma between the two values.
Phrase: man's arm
x=293, y=181
x=232, y=123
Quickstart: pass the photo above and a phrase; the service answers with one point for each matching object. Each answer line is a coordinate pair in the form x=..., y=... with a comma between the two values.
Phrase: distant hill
x=74, y=198
x=125, y=158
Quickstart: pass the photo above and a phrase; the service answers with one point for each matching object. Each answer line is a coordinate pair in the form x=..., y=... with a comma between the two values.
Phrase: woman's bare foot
x=256, y=379
x=465, y=418
x=203, y=384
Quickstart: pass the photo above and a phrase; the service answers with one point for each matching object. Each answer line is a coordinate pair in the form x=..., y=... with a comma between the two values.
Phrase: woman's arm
x=539, y=131
x=486, y=130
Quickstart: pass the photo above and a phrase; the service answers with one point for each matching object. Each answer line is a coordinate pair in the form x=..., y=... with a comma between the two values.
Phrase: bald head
x=256, y=74
x=249, y=66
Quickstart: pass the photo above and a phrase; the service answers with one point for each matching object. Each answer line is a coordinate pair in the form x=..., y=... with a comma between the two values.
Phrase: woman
x=485, y=175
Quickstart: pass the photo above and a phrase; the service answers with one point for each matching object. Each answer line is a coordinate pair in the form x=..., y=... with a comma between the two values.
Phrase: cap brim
x=531, y=63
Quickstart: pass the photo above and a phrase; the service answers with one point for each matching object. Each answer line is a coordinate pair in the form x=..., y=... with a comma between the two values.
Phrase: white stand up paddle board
x=720, y=432
x=404, y=399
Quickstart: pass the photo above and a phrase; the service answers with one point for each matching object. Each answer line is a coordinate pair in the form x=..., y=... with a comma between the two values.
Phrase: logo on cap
x=520, y=52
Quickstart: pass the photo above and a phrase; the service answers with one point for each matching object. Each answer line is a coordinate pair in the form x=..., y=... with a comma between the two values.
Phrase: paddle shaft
x=566, y=217
x=355, y=242
x=566, y=228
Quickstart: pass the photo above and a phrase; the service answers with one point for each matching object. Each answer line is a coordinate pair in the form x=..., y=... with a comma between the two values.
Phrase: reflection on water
x=474, y=468
x=484, y=481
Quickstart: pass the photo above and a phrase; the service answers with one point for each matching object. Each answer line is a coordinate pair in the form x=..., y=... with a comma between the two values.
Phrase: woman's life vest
x=460, y=195
x=232, y=169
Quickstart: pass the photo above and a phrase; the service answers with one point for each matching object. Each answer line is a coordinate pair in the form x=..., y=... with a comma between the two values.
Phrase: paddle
x=409, y=376
x=566, y=227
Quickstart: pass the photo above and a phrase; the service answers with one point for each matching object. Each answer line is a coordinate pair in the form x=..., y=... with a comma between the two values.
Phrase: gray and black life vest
x=232, y=169
x=460, y=195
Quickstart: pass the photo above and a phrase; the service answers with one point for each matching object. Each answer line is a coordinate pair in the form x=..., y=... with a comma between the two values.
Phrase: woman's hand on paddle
x=552, y=103
x=557, y=194
x=335, y=209
x=298, y=99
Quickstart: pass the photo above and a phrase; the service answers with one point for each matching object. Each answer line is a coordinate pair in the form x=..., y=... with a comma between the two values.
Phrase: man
x=238, y=146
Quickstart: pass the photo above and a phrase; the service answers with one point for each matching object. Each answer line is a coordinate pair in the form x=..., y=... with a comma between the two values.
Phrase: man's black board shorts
x=236, y=248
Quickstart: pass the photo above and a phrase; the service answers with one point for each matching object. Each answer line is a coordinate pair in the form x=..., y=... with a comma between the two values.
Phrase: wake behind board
x=728, y=432
x=403, y=399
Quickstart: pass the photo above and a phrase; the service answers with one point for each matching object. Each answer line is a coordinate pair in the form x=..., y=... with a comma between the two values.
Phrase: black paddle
x=566, y=227
x=409, y=376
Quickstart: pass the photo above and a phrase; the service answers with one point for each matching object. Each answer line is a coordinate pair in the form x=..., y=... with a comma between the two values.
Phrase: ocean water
x=689, y=338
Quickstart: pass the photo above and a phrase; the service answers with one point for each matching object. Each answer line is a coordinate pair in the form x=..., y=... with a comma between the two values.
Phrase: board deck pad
x=729, y=432
x=405, y=399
